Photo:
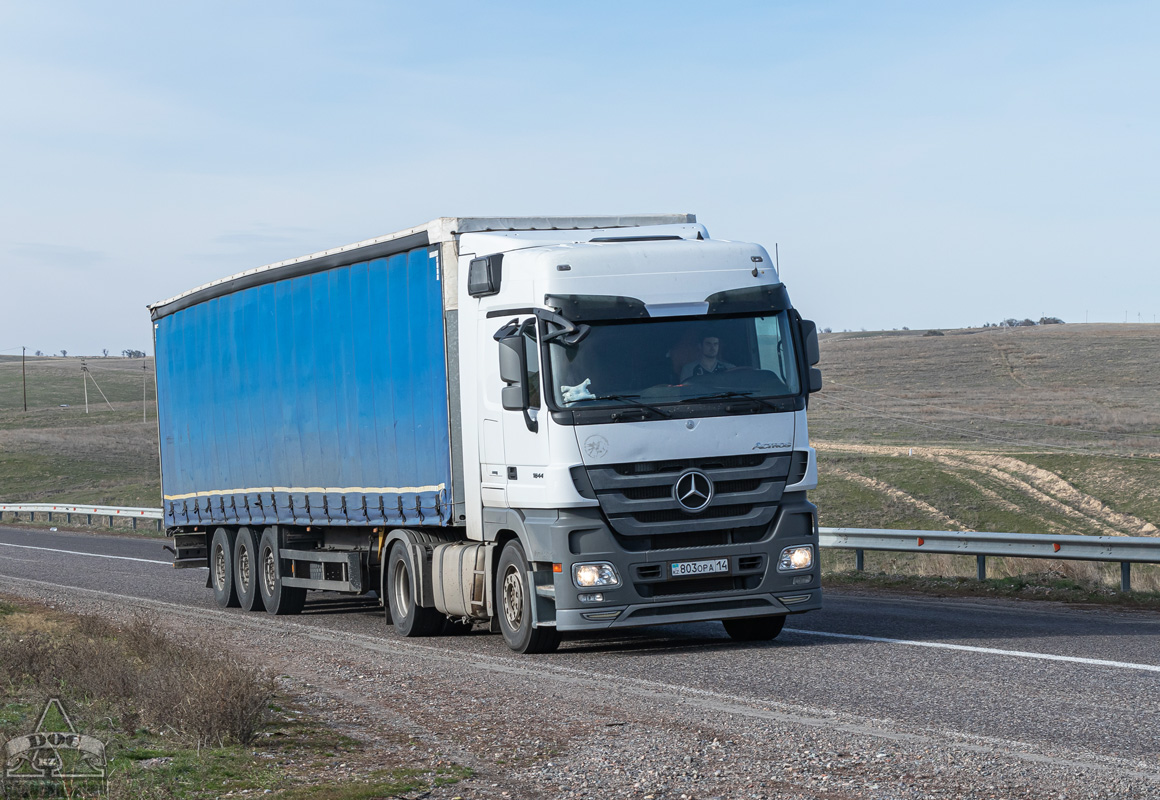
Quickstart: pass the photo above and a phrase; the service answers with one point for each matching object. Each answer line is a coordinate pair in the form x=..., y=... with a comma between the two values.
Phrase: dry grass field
x=1052, y=429
x=57, y=452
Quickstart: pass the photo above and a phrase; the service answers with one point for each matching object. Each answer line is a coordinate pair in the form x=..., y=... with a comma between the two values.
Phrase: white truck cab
x=637, y=409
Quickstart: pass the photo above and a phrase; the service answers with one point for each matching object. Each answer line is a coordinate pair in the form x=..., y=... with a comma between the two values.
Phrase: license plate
x=692, y=569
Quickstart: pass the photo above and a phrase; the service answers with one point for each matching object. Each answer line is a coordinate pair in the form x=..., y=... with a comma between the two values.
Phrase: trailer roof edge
x=438, y=230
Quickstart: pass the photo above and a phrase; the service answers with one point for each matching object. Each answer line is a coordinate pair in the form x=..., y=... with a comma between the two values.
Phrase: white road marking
x=1098, y=662
x=78, y=553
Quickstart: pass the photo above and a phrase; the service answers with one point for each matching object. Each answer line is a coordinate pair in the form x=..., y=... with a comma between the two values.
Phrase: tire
x=279, y=600
x=514, y=605
x=409, y=618
x=754, y=629
x=221, y=568
x=246, y=569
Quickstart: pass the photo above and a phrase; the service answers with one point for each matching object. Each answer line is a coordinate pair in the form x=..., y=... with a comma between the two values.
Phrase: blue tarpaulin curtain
x=320, y=399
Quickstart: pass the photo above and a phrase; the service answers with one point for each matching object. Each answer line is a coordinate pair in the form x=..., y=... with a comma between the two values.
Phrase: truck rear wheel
x=754, y=629
x=278, y=599
x=515, y=605
x=410, y=618
x=246, y=569
x=221, y=568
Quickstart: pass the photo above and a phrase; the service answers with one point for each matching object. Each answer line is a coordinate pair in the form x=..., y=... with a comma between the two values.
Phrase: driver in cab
x=708, y=363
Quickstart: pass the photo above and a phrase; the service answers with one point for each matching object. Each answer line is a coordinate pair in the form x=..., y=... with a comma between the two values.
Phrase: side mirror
x=815, y=380
x=512, y=368
x=810, y=338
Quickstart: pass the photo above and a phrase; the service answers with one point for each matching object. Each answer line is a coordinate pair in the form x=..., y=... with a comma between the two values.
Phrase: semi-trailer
x=543, y=424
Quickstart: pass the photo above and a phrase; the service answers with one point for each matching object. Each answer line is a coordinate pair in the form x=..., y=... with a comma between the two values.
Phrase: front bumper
x=688, y=610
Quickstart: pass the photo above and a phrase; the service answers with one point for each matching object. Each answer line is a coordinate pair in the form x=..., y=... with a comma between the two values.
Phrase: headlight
x=599, y=574
x=795, y=558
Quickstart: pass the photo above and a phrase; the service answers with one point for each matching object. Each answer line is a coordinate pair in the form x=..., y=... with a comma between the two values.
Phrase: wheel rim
x=219, y=568
x=244, y=567
x=269, y=570
x=513, y=598
x=402, y=594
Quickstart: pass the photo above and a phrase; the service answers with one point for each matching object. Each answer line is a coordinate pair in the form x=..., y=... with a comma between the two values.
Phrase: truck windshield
x=657, y=361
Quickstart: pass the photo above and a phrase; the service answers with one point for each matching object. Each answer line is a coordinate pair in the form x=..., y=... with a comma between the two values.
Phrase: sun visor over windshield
x=754, y=299
x=593, y=307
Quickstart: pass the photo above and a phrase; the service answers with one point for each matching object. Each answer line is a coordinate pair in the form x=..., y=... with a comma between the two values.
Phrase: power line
x=978, y=434
x=989, y=416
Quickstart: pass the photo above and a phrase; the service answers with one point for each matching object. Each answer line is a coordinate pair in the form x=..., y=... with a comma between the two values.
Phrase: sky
x=917, y=164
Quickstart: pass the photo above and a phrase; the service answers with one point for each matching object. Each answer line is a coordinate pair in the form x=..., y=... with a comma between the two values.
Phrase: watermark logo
x=55, y=760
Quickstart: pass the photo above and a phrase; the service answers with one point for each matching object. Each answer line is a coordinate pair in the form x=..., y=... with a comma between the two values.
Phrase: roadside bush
x=136, y=675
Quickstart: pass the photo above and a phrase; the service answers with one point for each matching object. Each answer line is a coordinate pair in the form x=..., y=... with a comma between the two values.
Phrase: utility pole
x=24, y=378
x=144, y=386
x=85, y=381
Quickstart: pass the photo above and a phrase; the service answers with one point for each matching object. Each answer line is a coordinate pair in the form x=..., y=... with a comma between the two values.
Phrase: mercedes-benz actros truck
x=541, y=424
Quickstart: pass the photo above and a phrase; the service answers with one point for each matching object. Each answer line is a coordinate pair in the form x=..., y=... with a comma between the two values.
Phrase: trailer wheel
x=515, y=605
x=221, y=568
x=754, y=629
x=278, y=599
x=410, y=618
x=246, y=569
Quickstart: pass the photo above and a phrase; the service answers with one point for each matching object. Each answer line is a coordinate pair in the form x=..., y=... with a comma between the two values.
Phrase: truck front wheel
x=515, y=605
x=754, y=629
x=277, y=599
x=410, y=618
x=221, y=568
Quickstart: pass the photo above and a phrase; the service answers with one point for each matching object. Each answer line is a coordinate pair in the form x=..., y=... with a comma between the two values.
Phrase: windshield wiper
x=741, y=395
x=629, y=398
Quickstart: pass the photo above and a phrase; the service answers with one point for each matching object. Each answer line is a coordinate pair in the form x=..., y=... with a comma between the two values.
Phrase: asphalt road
x=1079, y=683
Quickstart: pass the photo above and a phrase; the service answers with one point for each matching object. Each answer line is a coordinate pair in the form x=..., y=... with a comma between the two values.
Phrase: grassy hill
x=1032, y=430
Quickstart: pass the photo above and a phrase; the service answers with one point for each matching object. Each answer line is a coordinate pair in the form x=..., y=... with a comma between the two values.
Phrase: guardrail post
x=859, y=560
x=134, y=523
x=68, y=518
x=32, y=516
x=50, y=516
x=110, y=520
x=158, y=526
x=1125, y=576
x=90, y=519
x=981, y=567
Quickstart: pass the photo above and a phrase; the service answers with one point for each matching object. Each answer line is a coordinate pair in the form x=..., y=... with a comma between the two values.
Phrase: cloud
x=60, y=256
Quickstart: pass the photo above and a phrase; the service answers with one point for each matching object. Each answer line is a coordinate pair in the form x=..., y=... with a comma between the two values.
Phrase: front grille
x=639, y=502
x=713, y=512
x=714, y=462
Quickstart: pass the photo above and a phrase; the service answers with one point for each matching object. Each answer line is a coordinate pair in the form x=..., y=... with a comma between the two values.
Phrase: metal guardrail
x=111, y=512
x=1127, y=550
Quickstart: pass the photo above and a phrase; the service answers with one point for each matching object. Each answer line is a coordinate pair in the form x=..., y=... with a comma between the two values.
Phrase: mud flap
x=543, y=593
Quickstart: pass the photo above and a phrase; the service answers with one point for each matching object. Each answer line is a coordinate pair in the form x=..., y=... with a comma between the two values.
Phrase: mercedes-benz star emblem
x=693, y=491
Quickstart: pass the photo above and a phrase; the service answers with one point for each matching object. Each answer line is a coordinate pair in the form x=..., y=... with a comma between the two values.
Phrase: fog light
x=795, y=558
x=599, y=574
x=595, y=597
